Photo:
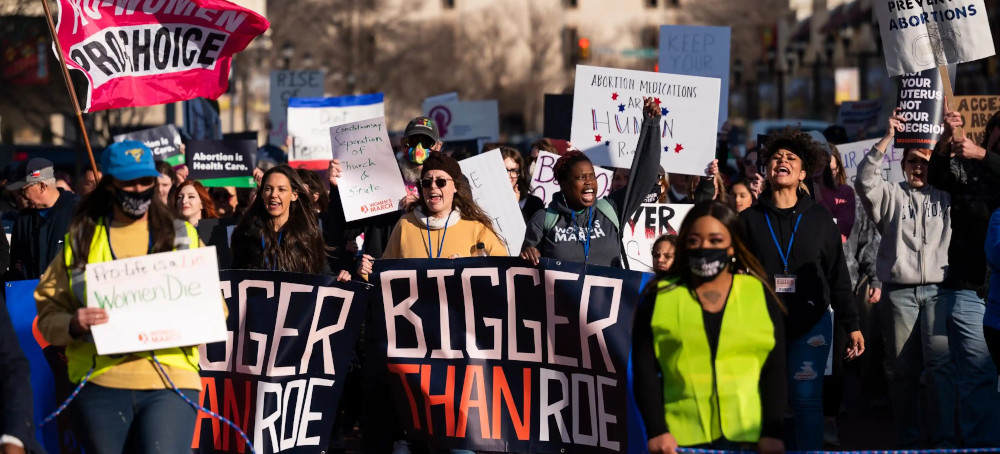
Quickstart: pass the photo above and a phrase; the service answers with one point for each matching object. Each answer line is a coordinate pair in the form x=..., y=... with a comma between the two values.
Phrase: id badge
x=784, y=283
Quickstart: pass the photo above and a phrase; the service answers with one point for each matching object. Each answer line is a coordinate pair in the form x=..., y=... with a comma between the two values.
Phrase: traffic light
x=583, y=50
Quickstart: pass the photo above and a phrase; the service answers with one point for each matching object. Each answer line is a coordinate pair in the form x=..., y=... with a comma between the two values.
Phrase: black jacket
x=816, y=259
x=36, y=239
x=975, y=193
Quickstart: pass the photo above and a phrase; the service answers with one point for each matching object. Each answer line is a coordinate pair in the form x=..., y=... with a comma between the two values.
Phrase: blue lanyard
x=440, y=243
x=263, y=250
x=784, y=256
x=107, y=233
x=590, y=228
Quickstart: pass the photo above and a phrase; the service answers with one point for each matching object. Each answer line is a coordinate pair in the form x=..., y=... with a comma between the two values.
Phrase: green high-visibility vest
x=703, y=401
x=81, y=355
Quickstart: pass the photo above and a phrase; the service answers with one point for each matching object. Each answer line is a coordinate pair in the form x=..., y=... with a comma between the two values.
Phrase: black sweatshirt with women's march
x=816, y=260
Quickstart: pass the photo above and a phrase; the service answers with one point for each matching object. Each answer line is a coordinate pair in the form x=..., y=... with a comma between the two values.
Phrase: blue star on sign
x=664, y=111
x=607, y=143
x=666, y=149
x=621, y=107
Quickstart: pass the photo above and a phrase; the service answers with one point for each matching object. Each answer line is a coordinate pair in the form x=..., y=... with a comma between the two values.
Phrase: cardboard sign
x=854, y=152
x=976, y=111
x=697, y=50
x=160, y=53
x=857, y=116
x=920, y=99
x=607, y=117
x=286, y=85
x=290, y=339
x=466, y=120
x=371, y=183
x=488, y=178
x=646, y=225
x=919, y=35
x=155, y=301
x=310, y=120
x=544, y=184
x=550, y=343
x=165, y=141
x=217, y=163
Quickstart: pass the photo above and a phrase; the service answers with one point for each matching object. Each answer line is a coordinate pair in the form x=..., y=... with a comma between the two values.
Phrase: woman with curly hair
x=279, y=230
x=577, y=226
x=799, y=245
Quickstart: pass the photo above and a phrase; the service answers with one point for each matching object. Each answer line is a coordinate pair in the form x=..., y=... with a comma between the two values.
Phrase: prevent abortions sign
x=149, y=52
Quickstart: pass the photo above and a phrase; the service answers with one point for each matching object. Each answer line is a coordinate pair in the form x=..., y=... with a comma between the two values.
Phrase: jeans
x=113, y=421
x=916, y=336
x=807, y=358
x=979, y=414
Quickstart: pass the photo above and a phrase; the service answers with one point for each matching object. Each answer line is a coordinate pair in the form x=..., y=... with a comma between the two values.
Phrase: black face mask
x=134, y=204
x=707, y=263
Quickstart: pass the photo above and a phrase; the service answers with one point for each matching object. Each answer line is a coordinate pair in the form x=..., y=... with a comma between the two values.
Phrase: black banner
x=165, y=141
x=491, y=355
x=920, y=99
x=280, y=374
x=222, y=162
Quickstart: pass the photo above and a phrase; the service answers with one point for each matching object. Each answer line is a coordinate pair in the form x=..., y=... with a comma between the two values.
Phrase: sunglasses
x=440, y=182
x=423, y=141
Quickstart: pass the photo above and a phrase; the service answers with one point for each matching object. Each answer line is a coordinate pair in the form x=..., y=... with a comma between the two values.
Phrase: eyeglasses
x=440, y=182
x=513, y=171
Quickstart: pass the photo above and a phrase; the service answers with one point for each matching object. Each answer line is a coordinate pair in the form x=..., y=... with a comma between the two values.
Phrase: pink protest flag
x=149, y=52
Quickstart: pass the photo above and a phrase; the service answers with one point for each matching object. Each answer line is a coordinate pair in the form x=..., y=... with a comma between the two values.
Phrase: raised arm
x=874, y=191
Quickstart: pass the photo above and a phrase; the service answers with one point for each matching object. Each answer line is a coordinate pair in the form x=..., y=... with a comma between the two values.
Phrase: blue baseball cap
x=128, y=160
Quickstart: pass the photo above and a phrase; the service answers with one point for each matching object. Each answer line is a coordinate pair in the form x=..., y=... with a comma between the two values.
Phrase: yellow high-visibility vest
x=703, y=401
x=82, y=355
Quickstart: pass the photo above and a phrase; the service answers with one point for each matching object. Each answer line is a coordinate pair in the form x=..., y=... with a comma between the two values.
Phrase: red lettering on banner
x=447, y=399
x=402, y=370
x=474, y=373
x=500, y=387
x=232, y=412
x=207, y=391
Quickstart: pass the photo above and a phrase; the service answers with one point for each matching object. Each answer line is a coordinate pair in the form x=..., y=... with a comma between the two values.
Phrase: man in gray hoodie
x=915, y=221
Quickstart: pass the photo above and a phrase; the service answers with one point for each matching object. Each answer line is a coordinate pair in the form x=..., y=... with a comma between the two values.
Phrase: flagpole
x=69, y=86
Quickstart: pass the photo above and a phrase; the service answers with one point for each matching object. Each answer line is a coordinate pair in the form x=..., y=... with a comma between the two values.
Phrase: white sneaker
x=830, y=432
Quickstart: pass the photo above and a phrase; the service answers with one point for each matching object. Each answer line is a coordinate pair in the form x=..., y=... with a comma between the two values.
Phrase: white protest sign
x=607, y=117
x=698, y=50
x=544, y=184
x=645, y=226
x=156, y=301
x=853, y=153
x=491, y=188
x=431, y=101
x=465, y=120
x=370, y=183
x=310, y=120
x=919, y=35
x=286, y=85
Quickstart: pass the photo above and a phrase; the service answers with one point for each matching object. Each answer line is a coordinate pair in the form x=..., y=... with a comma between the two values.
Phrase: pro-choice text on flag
x=493, y=355
x=149, y=52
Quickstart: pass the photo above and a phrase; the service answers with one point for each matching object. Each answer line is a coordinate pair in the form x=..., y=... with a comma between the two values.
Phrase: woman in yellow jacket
x=127, y=405
x=446, y=223
x=709, y=344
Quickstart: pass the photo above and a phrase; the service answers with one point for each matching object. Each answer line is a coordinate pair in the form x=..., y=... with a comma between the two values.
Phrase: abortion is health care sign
x=310, y=120
x=607, y=116
x=156, y=301
x=370, y=183
x=925, y=34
